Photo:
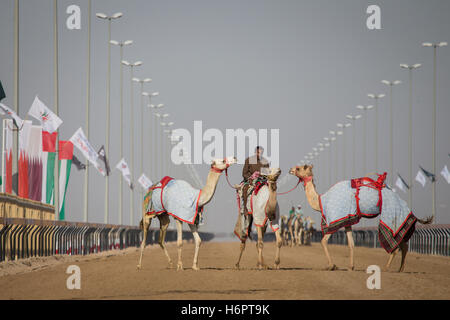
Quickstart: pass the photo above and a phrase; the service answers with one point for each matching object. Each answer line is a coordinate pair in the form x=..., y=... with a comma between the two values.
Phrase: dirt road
x=302, y=275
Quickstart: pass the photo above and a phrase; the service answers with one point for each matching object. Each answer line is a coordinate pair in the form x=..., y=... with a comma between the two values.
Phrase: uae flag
x=446, y=174
x=8, y=127
x=48, y=166
x=65, y=163
x=428, y=174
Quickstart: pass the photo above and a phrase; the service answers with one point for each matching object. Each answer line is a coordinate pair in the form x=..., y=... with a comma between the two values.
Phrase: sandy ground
x=113, y=275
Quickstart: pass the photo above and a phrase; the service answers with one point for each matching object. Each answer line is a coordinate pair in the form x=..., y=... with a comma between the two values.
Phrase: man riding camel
x=251, y=171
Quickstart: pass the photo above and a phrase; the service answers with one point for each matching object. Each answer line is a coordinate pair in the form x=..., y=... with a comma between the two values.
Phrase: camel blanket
x=178, y=198
x=257, y=214
x=338, y=207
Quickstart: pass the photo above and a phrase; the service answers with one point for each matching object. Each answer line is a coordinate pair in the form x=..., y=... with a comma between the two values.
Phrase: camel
x=308, y=230
x=265, y=207
x=284, y=230
x=298, y=230
x=305, y=174
x=205, y=196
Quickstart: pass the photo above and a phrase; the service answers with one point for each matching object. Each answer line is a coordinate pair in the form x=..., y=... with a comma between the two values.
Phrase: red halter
x=306, y=180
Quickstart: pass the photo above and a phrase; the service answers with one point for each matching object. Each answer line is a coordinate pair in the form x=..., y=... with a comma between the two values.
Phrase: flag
x=65, y=163
x=7, y=154
x=420, y=177
x=48, y=166
x=49, y=121
x=78, y=164
x=2, y=92
x=35, y=155
x=145, y=182
x=401, y=184
x=123, y=167
x=6, y=110
x=446, y=174
x=428, y=174
x=24, y=137
x=102, y=156
x=80, y=141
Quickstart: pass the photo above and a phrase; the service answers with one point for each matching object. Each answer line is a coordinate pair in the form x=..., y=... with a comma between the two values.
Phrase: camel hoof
x=237, y=267
x=180, y=267
x=332, y=268
x=139, y=267
x=276, y=267
x=195, y=268
x=351, y=268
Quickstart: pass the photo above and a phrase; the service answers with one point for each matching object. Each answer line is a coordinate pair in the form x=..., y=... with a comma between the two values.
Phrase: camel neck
x=210, y=187
x=311, y=195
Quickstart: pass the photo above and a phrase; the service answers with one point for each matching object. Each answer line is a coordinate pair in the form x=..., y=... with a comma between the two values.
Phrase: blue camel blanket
x=178, y=198
x=339, y=209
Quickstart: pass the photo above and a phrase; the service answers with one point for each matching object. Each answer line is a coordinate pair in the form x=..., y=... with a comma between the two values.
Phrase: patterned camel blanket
x=339, y=209
x=244, y=222
x=176, y=197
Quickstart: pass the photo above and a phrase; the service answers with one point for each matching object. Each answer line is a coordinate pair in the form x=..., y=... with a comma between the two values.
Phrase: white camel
x=265, y=209
x=204, y=197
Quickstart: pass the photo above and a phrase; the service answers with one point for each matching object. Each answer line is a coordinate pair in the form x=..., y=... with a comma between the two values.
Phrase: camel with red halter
x=389, y=204
x=204, y=197
x=265, y=210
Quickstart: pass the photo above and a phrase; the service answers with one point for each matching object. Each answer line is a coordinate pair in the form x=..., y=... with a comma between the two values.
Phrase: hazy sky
x=298, y=66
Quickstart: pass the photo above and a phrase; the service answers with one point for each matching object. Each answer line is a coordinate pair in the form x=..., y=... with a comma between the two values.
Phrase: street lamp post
x=410, y=68
x=391, y=129
x=121, y=45
x=433, y=185
x=142, y=81
x=151, y=106
x=365, y=108
x=344, y=126
x=376, y=97
x=354, y=118
x=132, y=66
x=108, y=89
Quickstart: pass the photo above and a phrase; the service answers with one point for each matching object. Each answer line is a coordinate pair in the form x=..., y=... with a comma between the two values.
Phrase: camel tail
x=141, y=225
x=428, y=220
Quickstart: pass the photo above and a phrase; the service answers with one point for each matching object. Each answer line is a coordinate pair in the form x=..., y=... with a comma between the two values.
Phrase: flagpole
x=56, y=98
x=16, y=88
x=88, y=96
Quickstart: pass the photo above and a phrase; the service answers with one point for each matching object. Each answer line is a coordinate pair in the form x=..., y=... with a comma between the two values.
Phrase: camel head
x=302, y=172
x=222, y=164
x=272, y=174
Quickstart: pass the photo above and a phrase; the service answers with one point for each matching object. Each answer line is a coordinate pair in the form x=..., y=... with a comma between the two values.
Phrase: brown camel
x=265, y=207
x=207, y=193
x=304, y=173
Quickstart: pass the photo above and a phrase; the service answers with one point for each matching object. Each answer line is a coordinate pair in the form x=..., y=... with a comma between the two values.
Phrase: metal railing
x=427, y=239
x=28, y=229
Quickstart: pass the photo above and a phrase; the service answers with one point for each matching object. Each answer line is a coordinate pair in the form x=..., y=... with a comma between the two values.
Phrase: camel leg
x=277, y=254
x=324, y=243
x=198, y=242
x=391, y=257
x=351, y=245
x=242, y=248
x=259, y=247
x=164, y=224
x=404, y=248
x=179, y=243
x=146, y=221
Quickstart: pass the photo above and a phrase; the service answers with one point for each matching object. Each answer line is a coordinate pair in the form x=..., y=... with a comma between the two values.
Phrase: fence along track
x=429, y=239
x=28, y=229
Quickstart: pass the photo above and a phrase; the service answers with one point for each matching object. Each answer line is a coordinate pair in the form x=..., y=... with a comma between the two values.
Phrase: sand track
x=113, y=275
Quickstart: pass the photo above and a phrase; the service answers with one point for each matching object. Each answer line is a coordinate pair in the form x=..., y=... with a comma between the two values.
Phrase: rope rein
x=278, y=193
